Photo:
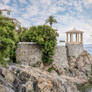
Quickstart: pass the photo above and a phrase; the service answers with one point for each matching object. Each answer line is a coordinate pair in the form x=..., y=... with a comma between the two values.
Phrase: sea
x=88, y=47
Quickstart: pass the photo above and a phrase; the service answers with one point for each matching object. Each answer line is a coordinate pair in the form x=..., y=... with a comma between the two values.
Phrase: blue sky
x=69, y=14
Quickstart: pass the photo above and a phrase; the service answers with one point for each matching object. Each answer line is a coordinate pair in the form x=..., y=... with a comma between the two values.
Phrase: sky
x=68, y=13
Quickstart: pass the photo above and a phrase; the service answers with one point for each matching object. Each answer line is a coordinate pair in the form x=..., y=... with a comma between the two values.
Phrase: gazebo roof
x=74, y=31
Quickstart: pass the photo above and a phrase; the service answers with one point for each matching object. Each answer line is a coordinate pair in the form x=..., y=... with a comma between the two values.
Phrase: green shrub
x=8, y=39
x=45, y=37
x=50, y=69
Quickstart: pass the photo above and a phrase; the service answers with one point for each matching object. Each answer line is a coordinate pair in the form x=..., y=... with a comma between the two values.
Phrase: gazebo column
x=70, y=37
x=76, y=38
x=81, y=38
x=67, y=37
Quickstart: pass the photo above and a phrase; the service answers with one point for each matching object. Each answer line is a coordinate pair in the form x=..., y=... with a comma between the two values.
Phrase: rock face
x=74, y=49
x=29, y=79
x=82, y=66
x=25, y=78
x=29, y=53
x=60, y=59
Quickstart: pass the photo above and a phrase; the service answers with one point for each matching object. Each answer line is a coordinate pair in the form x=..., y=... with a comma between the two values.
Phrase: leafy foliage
x=51, y=20
x=51, y=69
x=8, y=39
x=45, y=37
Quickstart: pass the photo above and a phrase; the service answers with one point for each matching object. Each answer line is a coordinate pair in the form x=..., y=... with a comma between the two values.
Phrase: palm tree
x=51, y=20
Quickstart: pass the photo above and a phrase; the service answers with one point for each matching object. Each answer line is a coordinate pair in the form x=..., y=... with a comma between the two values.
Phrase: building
x=30, y=53
x=74, y=42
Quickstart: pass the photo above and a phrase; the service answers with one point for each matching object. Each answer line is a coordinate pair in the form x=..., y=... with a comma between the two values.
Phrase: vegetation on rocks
x=86, y=87
x=51, y=69
x=45, y=37
x=8, y=39
x=23, y=78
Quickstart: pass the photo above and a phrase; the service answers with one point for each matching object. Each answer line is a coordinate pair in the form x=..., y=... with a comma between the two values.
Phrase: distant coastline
x=88, y=47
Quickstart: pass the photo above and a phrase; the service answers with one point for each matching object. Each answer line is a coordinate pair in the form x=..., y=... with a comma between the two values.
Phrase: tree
x=51, y=20
x=22, y=33
x=8, y=39
x=45, y=37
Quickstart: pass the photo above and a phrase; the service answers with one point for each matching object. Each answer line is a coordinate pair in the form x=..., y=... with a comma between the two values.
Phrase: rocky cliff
x=24, y=78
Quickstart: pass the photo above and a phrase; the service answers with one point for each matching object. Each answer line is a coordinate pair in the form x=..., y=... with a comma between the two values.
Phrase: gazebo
x=74, y=36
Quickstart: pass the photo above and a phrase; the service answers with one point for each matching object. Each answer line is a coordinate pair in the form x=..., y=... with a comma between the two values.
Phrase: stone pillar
x=81, y=38
x=76, y=37
x=70, y=38
x=67, y=37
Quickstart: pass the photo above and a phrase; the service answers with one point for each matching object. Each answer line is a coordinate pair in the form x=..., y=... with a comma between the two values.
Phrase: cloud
x=69, y=14
x=23, y=1
x=31, y=11
x=88, y=1
x=5, y=1
x=45, y=2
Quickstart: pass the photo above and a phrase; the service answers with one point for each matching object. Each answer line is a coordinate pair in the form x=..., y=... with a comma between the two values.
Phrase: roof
x=4, y=10
x=74, y=31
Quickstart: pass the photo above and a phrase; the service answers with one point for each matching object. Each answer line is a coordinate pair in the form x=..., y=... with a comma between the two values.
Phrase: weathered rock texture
x=66, y=73
x=29, y=79
x=74, y=49
x=60, y=56
x=60, y=59
x=82, y=66
x=25, y=78
x=30, y=53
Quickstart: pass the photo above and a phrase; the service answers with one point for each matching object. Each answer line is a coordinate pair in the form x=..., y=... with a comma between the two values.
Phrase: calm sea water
x=88, y=47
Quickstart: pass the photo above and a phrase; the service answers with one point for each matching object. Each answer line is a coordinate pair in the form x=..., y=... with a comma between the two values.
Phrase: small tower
x=74, y=42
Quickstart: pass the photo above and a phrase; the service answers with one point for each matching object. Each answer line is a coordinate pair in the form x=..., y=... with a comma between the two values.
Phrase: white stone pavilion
x=74, y=36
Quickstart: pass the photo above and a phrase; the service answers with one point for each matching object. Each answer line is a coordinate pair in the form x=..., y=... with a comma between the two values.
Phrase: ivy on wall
x=45, y=36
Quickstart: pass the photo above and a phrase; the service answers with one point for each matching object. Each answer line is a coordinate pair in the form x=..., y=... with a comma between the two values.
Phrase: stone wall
x=60, y=57
x=74, y=49
x=30, y=53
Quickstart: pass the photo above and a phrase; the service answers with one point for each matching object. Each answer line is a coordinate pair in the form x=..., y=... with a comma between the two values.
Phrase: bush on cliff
x=45, y=36
x=8, y=39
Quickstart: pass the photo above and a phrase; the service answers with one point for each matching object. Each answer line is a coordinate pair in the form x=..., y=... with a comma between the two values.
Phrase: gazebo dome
x=74, y=31
x=74, y=36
